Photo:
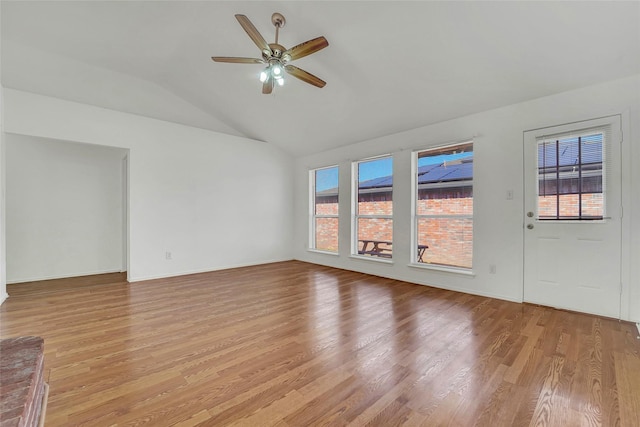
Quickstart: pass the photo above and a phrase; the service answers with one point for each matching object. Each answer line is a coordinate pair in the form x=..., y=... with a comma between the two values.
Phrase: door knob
x=530, y=226
x=530, y=214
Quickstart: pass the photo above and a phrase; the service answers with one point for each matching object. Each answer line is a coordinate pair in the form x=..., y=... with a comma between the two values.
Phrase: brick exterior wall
x=592, y=205
x=327, y=208
x=450, y=241
x=327, y=228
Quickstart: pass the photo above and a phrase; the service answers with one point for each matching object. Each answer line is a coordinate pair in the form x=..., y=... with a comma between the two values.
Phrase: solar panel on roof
x=429, y=174
x=426, y=168
x=385, y=181
x=463, y=171
x=437, y=174
x=442, y=173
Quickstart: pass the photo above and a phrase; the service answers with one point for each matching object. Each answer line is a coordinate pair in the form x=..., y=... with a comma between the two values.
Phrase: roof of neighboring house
x=458, y=170
x=462, y=169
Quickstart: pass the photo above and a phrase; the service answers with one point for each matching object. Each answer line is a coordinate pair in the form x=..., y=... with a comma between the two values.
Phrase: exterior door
x=572, y=223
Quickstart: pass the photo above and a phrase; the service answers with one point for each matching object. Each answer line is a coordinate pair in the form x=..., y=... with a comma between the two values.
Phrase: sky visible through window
x=375, y=169
x=328, y=178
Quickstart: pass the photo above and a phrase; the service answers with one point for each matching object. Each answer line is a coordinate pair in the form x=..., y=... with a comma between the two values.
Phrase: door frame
x=125, y=214
x=624, y=182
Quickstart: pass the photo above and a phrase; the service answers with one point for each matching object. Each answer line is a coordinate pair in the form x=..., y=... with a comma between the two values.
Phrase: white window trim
x=312, y=211
x=613, y=125
x=354, y=209
x=415, y=217
x=443, y=268
x=606, y=129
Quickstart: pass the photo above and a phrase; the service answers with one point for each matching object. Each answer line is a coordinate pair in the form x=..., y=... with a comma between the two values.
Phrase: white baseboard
x=63, y=276
x=410, y=279
x=133, y=279
x=3, y=297
x=638, y=328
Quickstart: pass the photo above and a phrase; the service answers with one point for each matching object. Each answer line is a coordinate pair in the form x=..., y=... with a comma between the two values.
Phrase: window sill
x=317, y=251
x=372, y=259
x=454, y=270
x=574, y=221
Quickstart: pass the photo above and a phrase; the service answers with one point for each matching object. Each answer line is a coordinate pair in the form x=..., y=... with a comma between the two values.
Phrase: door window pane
x=570, y=177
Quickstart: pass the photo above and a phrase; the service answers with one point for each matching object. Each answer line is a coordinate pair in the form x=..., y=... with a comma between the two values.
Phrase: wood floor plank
x=295, y=344
x=627, y=367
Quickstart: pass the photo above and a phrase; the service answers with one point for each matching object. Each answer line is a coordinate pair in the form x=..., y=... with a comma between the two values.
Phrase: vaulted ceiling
x=390, y=66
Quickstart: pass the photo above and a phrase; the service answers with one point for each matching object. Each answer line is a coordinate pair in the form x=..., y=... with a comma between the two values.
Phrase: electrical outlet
x=492, y=269
x=167, y=255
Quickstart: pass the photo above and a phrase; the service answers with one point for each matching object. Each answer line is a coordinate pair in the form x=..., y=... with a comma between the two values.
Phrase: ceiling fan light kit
x=277, y=57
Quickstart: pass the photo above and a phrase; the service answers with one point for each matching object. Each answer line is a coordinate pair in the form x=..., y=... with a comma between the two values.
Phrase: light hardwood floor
x=296, y=344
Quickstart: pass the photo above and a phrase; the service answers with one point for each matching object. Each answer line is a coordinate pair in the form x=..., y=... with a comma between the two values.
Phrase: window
x=373, y=207
x=443, y=201
x=324, y=209
x=570, y=177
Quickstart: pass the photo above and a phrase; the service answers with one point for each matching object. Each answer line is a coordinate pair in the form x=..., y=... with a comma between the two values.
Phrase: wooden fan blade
x=307, y=48
x=304, y=76
x=237, y=60
x=267, y=86
x=253, y=33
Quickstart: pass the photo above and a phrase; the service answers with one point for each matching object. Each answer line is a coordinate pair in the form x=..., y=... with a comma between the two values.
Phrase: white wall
x=64, y=209
x=498, y=222
x=3, y=258
x=213, y=200
x=47, y=73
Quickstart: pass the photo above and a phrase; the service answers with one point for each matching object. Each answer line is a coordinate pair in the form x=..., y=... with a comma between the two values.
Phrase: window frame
x=355, y=213
x=605, y=131
x=313, y=216
x=416, y=217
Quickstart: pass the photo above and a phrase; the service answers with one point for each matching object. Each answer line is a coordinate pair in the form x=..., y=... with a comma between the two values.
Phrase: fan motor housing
x=277, y=49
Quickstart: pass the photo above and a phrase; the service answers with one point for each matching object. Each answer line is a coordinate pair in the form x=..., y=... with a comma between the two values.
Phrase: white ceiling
x=390, y=66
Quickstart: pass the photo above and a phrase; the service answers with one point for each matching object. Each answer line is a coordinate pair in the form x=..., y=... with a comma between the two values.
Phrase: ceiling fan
x=277, y=57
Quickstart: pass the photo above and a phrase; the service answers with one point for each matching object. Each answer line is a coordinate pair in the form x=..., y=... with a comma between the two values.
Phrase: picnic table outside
x=382, y=248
